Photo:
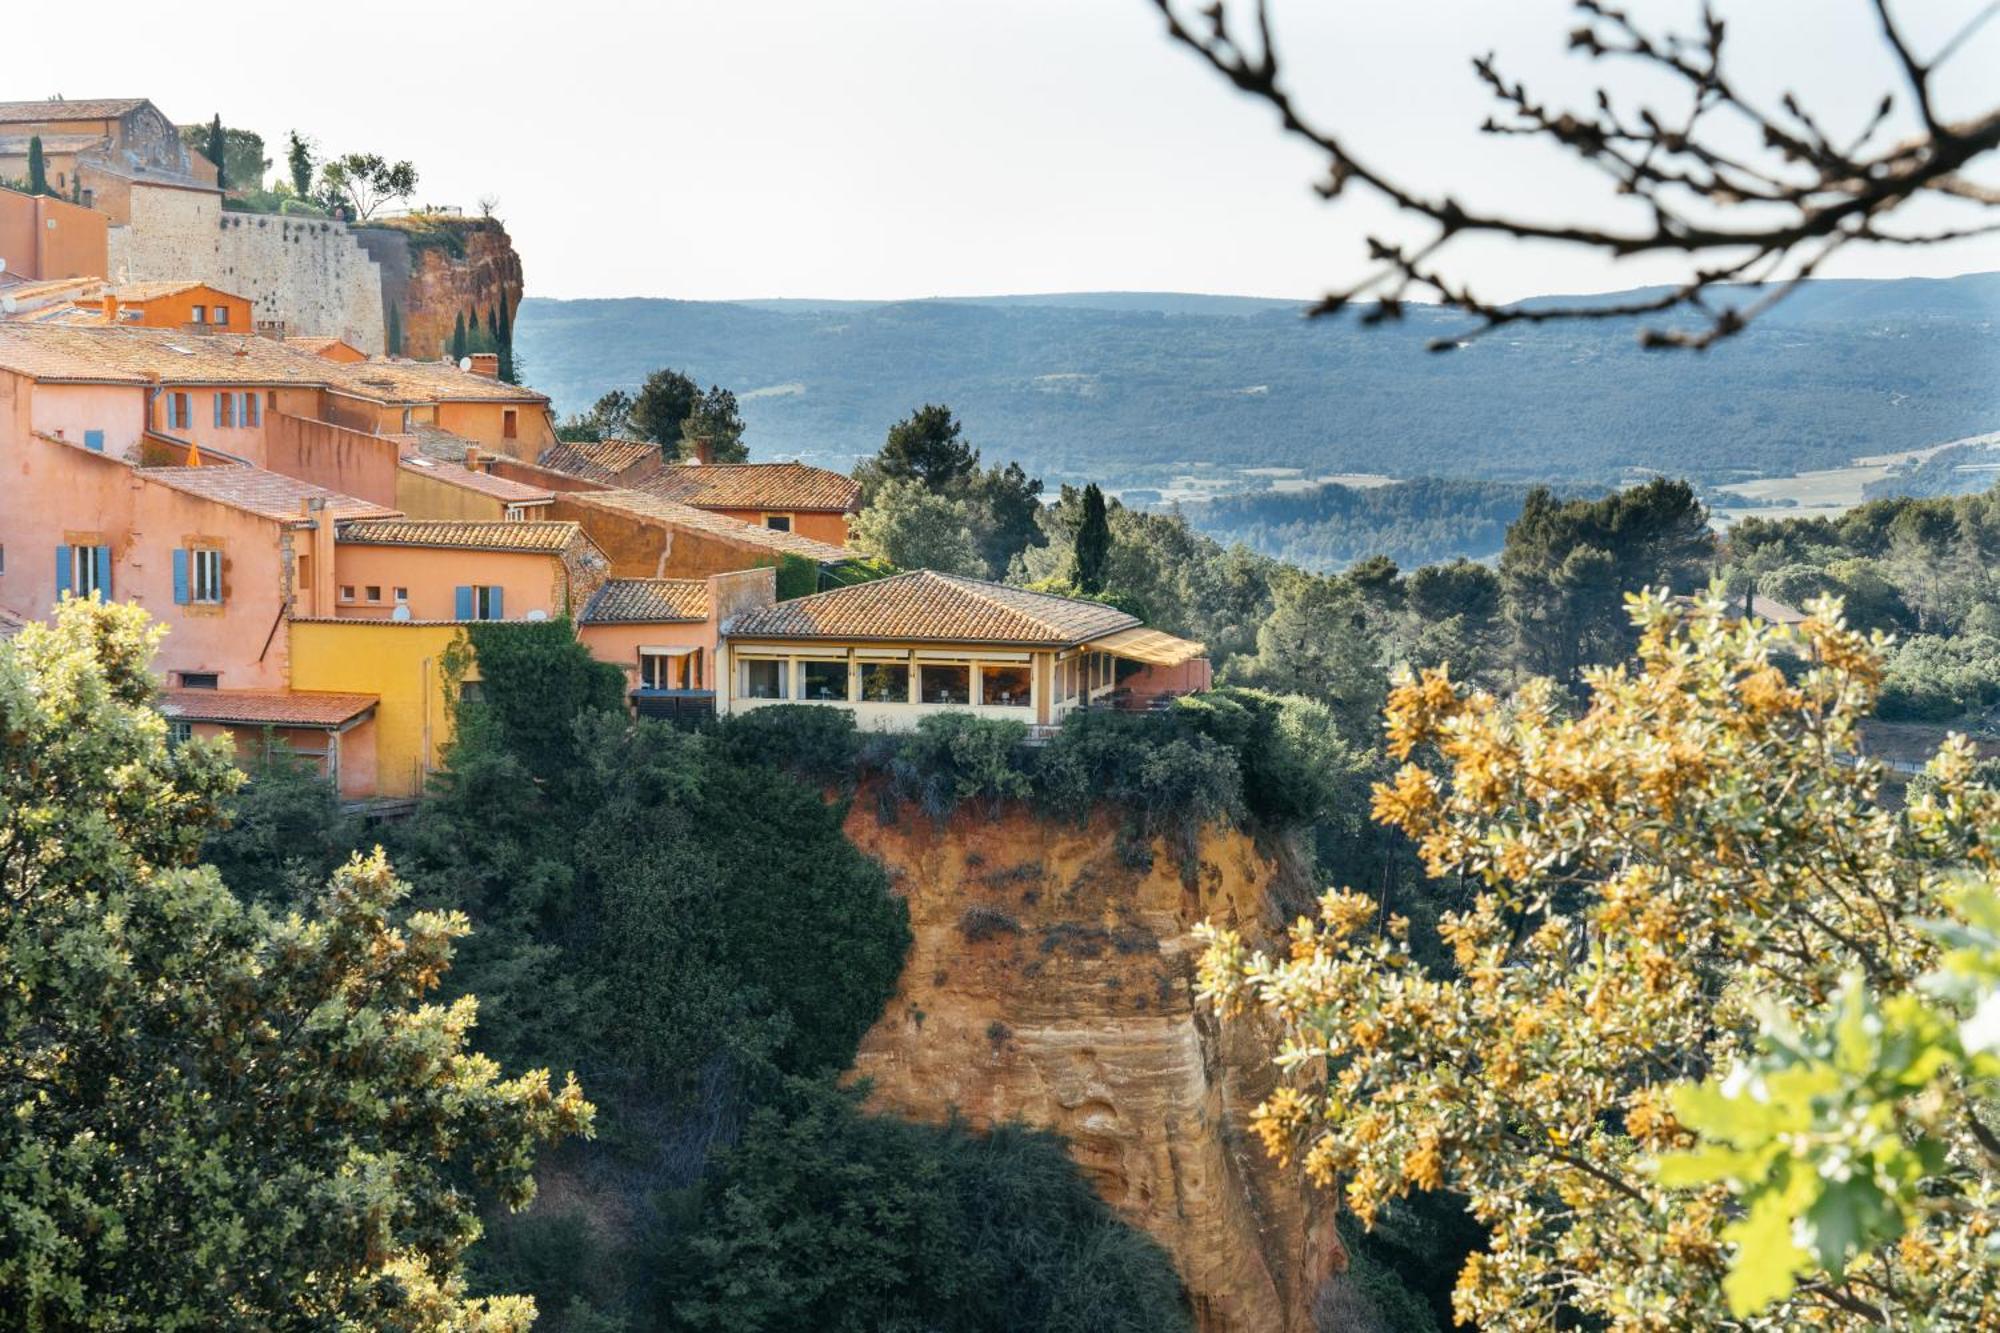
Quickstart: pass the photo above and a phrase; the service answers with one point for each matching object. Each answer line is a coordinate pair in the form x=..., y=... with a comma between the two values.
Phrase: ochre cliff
x=1050, y=980
x=435, y=269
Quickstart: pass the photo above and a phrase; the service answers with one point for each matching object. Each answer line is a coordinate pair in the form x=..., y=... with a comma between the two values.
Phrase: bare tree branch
x=1755, y=224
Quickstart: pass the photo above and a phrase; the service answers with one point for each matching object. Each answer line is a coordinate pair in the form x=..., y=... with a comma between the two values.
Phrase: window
x=938, y=684
x=83, y=570
x=251, y=411
x=656, y=670
x=347, y=592
x=200, y=315
x=200, y=680
x=3, y=559
x=885, y=683
x=180, y=411
x=225, y=409
x=94, y=440
x=471, y=691
x=1069, y=677
x=179, y=733
x=478, y=601
x=778, y=522
x=1005, y=686
x=509, y=425
x=763, y=678
x=402, y=594
x=375, y=592
x=198, y=576
x=825, y=682
x=222, y=316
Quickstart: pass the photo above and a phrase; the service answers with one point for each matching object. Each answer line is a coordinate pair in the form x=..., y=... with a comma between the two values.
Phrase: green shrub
x=827, y=1219
x=812, y=742
x=283, y=834
x=952, y=758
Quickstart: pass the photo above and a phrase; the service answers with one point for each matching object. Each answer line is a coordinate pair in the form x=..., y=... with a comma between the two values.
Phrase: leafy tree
x=825, y=1218
x=609, y=418
x=1567, y=567
x=299, y=162
x=215, y=149
x=1700, y=847
x=928, y=446
x=1092, y=551
x=281, y=834
x=663, y=403
x=220, y=1118
x=713, y=421
x=1317, y=641
x=363, y=182
x=38, y=169
x=912, y=527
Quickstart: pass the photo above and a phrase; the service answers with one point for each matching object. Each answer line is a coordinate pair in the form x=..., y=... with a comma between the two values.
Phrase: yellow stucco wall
x=401, y=662
x=420, y=496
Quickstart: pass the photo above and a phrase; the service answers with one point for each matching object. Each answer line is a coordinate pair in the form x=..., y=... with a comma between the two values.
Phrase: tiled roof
x=141, y=356
x=318, y=344
x=271, y=708
x=600, y=460
x=754, y=486
x=87, y=108
x=455, y=474
x=271, y=494
x=929, y=607
x=151, y=291
x=393, y=379
x=673, y=512
x=495, y=535
x=41, y=288
x=637, y=601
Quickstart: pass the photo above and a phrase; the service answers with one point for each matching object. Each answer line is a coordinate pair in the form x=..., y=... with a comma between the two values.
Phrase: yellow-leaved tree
x=1694, y=912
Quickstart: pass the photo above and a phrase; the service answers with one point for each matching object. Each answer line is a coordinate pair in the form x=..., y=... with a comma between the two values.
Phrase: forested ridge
x=1125, y=388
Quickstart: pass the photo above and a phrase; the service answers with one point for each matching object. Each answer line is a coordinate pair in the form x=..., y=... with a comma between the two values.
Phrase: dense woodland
x=678, y=918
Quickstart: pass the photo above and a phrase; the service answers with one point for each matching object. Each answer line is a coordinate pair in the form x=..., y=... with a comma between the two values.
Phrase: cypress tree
x=38, y=170
x=1093, y=542
x=458, y=338
x=395, y=329
x=218, y=149
x=506, y=340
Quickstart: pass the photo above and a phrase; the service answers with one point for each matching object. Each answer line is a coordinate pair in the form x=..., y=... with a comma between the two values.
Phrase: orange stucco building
x=43, y=238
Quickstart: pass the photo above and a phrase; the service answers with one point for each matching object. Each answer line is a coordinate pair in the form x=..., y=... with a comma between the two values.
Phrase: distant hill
x=1135, y=387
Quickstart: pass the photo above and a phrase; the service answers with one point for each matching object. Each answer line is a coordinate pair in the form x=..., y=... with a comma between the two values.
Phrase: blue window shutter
x=62, y=571
x=94, y=439
x=180, y=576
x=493, y=610
x=104, y=572
x=463, y=595
x=218, y=408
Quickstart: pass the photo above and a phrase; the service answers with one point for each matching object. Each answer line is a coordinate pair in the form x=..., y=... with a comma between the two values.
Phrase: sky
x=891, y=149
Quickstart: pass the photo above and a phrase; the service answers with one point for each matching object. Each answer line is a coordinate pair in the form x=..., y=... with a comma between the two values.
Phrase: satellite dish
x=9, y=304
x=465, y=363
x=3, y=263
x=402, y=611
x=536, y=614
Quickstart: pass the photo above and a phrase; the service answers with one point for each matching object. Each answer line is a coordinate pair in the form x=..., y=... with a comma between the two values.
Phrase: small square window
x=200, y=680
x=222, y=316
x=347, y=592
x=402, y=594
x=509, y=427
x=179, y=733
x=825, y=681
x=205, y=576
x=778, y=522
x=374, y=592
x=200, y=314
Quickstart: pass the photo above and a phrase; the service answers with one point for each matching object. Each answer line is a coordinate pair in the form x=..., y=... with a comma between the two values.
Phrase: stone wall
x=435, y=269
x=307, y=273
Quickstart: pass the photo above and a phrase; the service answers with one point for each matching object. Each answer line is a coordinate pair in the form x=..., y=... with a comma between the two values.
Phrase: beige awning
x=1150, y=646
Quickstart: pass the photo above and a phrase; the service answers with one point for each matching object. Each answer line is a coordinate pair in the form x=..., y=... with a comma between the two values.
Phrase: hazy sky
x=901, y=148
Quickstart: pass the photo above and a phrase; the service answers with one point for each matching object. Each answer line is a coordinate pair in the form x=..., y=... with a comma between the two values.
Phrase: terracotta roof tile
x=83, y=108
x=393, y=379
x=929, y=607
x=496, y=535
x=141, y=356
x=754, y=486
x=273, y=708
x=717, y=525
x=271, y=494
x=637, y=601
x=141, y=292
x=597, y=460
x=456, y=474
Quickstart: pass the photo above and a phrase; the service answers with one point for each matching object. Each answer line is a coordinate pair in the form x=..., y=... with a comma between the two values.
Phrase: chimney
x=110, y=306
x=317, y=596
x=472, y=458
x=486, y=364
x=700, y=450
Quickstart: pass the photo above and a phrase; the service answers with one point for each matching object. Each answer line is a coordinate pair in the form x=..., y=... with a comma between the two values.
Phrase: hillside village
x=315, y=521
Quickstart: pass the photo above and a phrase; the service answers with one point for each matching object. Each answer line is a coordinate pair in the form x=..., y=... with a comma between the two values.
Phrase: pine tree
x=38, y=170
x=458, y=338
x=1093, y=542
x=218, y=148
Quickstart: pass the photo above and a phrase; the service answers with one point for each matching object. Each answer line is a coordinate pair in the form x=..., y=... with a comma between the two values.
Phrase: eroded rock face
x=1051, y=980
x=435, y=270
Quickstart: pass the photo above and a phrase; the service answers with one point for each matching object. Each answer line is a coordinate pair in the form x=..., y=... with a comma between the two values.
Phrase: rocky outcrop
x=435, y=269
x=1050, y=980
